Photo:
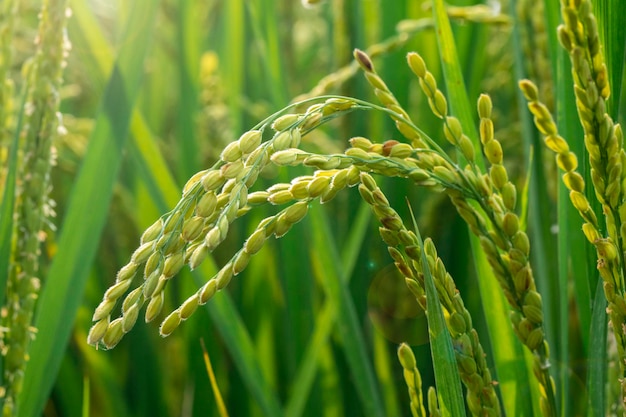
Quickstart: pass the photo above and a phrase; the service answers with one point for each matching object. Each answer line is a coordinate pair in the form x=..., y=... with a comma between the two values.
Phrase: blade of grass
x=87, y=36
x=447, y=376
x=221, y=408
x=67, y=400
x=325, y=320
x=187, y=68
x=234, y=64
x=512, y=372
x=610, y=16
x=295, y=274
x=564, y=249
x=261, y=13
x=86, y=213
x=228, y=321
x=598, y=357
x=384, y=371
x=328, y=264
x=455, y=85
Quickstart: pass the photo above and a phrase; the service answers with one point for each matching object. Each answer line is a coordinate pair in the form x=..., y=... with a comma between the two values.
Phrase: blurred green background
x=152, y=93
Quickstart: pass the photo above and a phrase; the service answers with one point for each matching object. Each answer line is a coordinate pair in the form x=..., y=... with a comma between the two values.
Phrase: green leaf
x=598, y=357
x=233, y=50
x=86, y=397
x=86, y=213
x=325, y=320
x=187, y=30
x=610, y=16
x=232, y=329
x=329, y=267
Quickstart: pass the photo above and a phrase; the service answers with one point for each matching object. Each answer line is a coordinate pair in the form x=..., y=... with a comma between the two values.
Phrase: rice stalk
x=42, y=124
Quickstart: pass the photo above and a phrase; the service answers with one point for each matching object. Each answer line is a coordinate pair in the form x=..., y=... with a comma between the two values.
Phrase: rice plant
x=494, y=132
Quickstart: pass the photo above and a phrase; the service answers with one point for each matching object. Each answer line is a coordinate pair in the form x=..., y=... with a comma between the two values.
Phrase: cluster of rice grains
x=603, y=140
x=211, y=201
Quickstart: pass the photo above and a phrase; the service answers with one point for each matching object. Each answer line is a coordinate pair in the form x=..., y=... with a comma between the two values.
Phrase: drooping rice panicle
x=212, y=199
x=41, y=125
x=485, y=198
x=403, y=247
x=609, y=263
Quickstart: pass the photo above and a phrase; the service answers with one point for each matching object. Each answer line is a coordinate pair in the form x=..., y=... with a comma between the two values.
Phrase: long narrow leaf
x=225, y=316
x=353, y=341
x=610, y=15
x=325, y=320
x=456, y=91
x=187, y=67
x=598, y=357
